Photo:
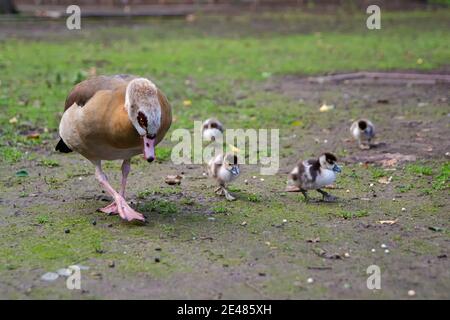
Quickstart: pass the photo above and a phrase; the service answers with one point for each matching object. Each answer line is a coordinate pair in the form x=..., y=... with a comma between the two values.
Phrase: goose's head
x=328, y=161
x=144, y=111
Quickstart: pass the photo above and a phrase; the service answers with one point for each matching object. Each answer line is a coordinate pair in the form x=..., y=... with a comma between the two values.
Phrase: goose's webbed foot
x=110, y=209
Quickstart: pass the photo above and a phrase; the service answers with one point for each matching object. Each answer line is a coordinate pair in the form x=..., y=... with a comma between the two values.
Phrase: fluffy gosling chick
x=362, y=131
x=314, y=174
x=212, y=129
x=224, y=169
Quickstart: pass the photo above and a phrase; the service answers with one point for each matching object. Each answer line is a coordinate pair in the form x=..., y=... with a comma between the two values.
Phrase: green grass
x=43, y=218
x=377, y=172
x=442, y=180
x=213, y=65
x=55, y=248
x=254, y=197
x=234, y=189
x=220, y=209
x=420, y=169
x=165, y=191
x=405, y=188
x=50, y=163
x=440, y=175
x=159, y=206
x=162, y=154
x=352, y=214
x=10, y=154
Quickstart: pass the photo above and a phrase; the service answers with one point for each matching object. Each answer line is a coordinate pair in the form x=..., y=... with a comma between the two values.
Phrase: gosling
x=363, y=131
x=314, y=174
x=224, y=169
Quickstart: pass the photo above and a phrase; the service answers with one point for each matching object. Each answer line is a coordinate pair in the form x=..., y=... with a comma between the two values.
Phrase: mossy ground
x=268, y=242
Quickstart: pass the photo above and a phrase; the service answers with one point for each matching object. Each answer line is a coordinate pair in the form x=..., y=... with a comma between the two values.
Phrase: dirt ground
x=202, y=247
x=268, y=244
x=421, y=138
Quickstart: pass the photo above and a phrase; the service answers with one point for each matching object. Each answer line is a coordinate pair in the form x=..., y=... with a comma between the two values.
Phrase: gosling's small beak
x=235, y=170
x=336, y=168
x=149, y=148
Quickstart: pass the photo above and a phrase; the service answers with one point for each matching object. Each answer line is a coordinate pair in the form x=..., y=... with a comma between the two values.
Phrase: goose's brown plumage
x=96, y=123
x=85, y=90
x=105, y=119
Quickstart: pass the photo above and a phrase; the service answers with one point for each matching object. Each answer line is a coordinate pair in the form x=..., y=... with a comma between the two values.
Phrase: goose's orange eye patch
x=142, y=120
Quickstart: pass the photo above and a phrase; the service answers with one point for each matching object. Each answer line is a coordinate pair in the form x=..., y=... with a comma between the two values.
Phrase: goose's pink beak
x=149, y=149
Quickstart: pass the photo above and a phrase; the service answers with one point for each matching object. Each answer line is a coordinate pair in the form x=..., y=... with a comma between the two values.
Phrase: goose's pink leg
x=125, y=211
x=112, y=207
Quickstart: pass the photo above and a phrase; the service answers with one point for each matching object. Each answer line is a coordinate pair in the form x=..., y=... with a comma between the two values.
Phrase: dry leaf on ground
x=173, y=179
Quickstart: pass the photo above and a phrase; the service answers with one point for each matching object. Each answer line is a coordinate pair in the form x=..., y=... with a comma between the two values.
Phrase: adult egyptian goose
x=314, y=174
x=111, y=118
x=224, y=169
x=363, y=130
x=212, y=129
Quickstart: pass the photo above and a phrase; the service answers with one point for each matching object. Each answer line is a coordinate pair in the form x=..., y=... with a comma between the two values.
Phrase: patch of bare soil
x=411, y=112
x=266, y=244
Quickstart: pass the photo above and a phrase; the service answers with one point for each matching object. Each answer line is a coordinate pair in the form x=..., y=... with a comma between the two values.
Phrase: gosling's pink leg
x=112, y=207
x=125, y=211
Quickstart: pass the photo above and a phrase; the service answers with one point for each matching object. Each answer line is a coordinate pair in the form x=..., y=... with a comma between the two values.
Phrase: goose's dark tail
x=62, y=147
